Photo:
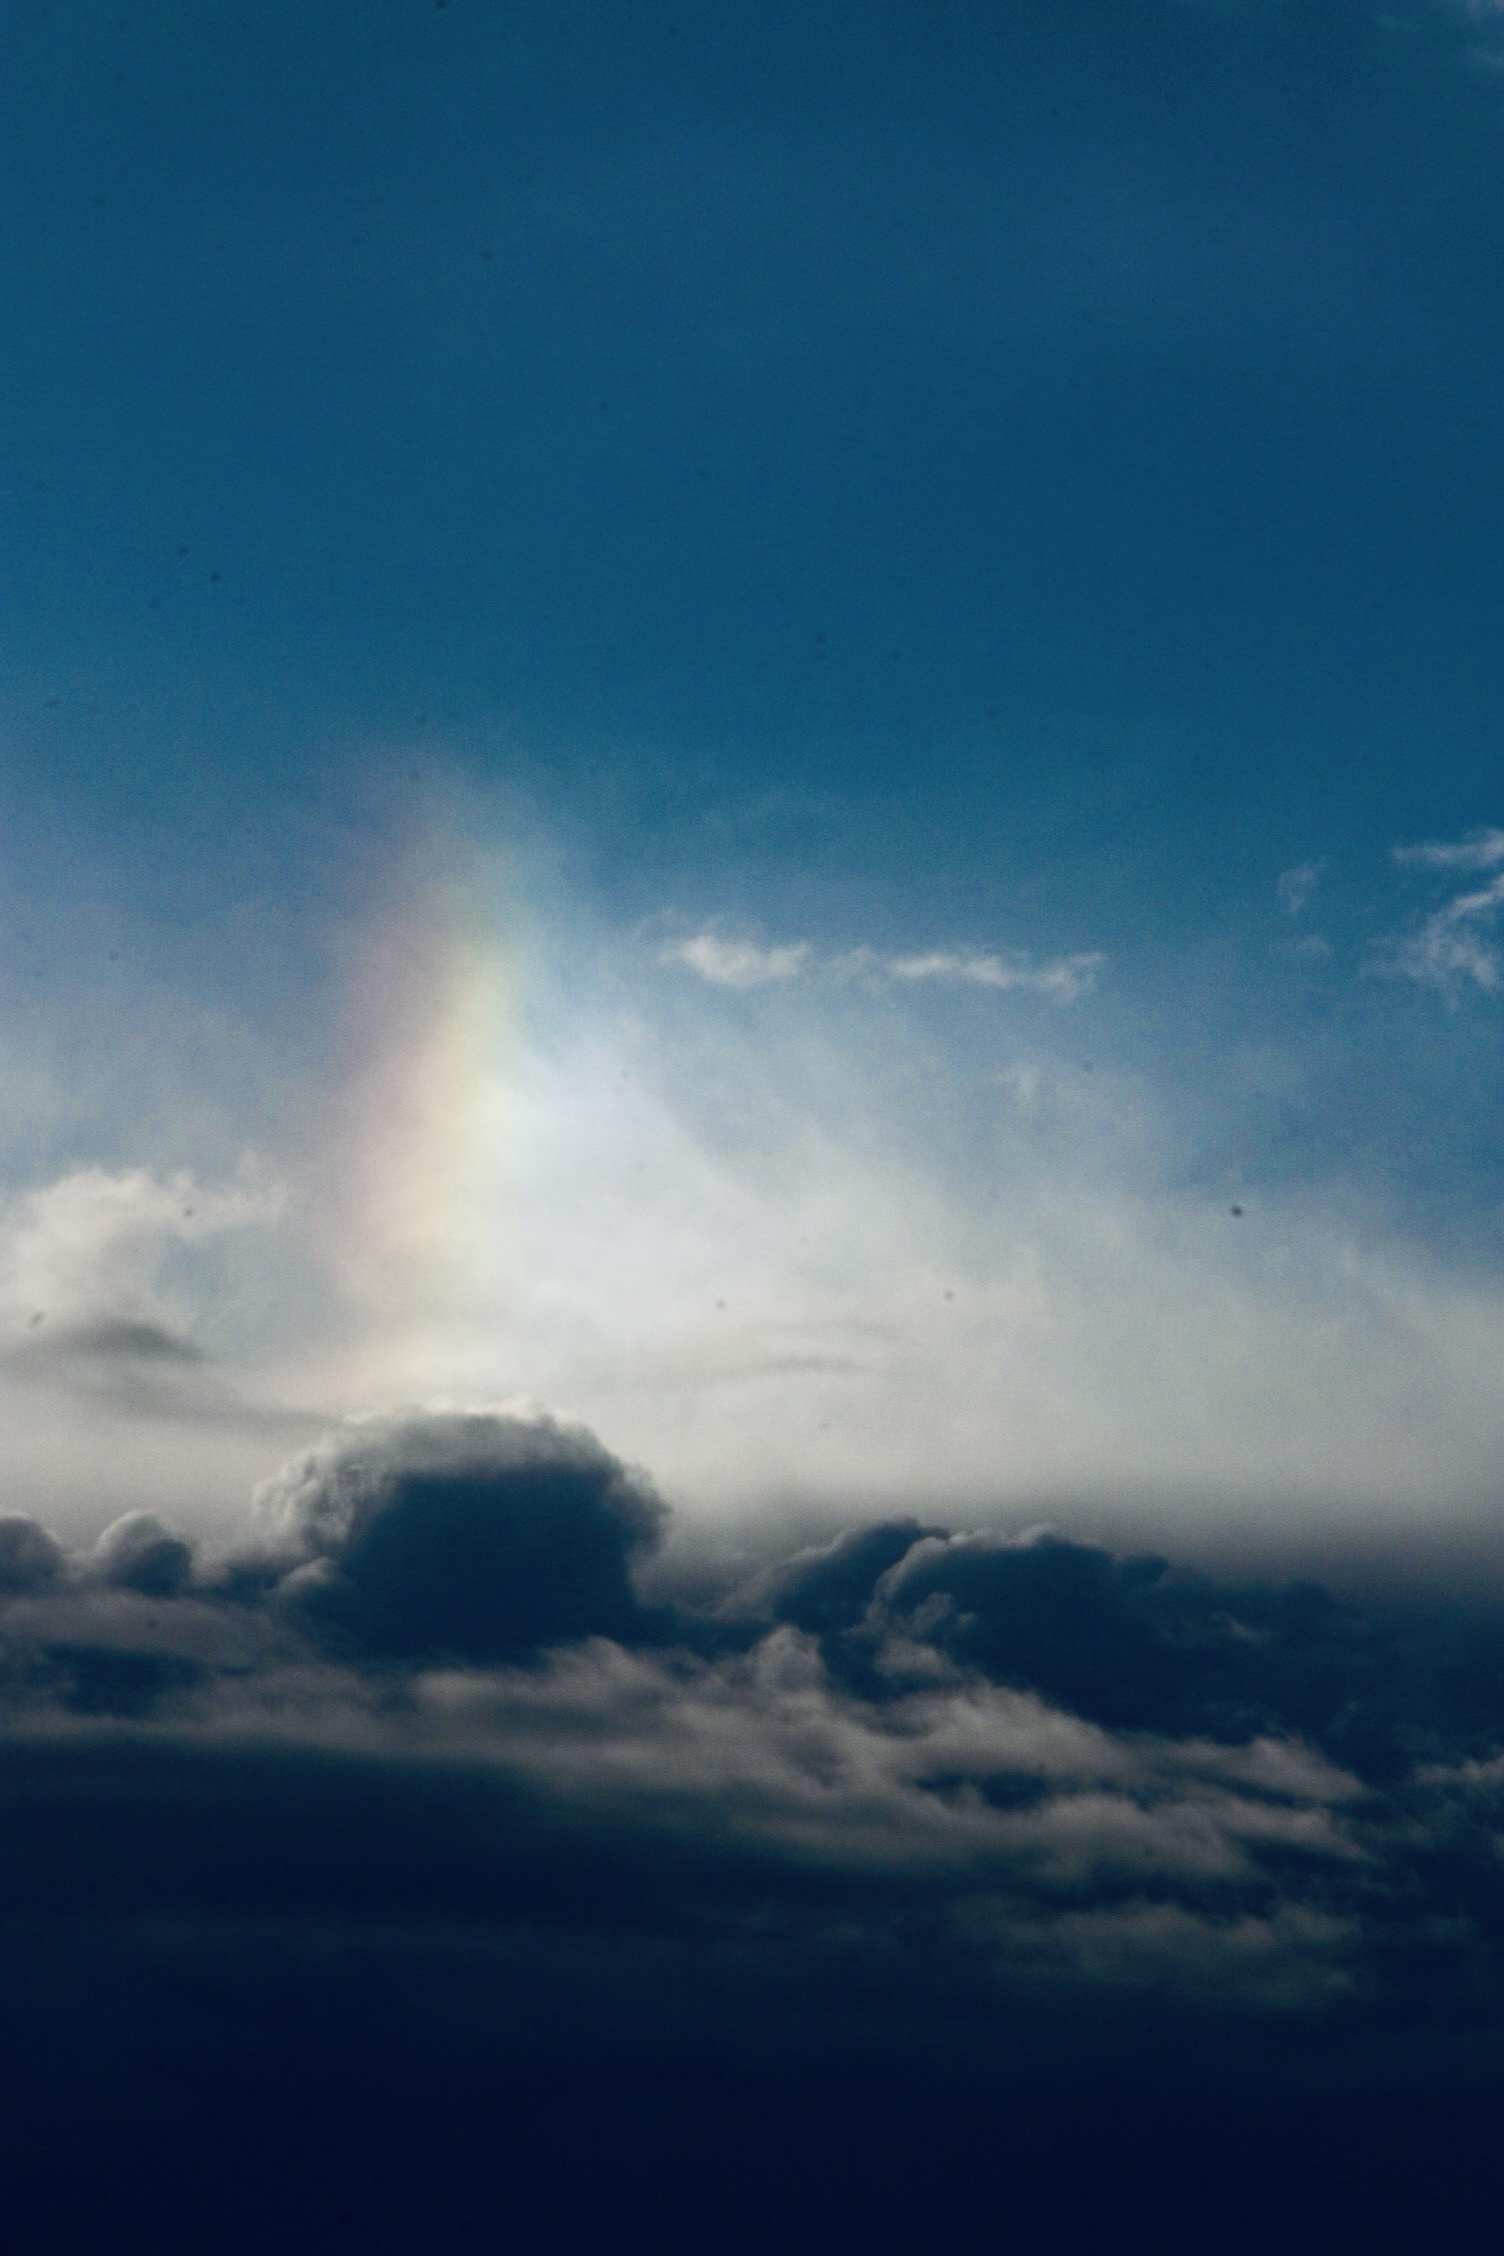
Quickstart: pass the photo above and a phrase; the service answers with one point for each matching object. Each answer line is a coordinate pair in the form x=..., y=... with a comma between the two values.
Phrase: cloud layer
x=964, y=1822
x=1133, y=1776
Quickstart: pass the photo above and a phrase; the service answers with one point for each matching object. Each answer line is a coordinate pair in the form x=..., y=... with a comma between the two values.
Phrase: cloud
x=411, y=1789
x=1454, y=947
x=139, y=1552
x=30, y=1559
x=804, y=1247
x=741, y=963
x=479, y=1536
x=1483, y=851
x=1133, y=1643
x=121, y=1293
x=1308, y=948
x=830, y=1587
x=1485, y=18
x=1471, y=28
x=85, y=1256
x=1030, y=1717
x=819, y=1261
x=1295, y=887
x=1062, y=979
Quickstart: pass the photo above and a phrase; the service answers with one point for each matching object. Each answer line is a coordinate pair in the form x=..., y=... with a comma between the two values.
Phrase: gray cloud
x=412, y=1790
x=1098, y=1772
x=475, y=1535
x=30, y=1559
x=139, y=1552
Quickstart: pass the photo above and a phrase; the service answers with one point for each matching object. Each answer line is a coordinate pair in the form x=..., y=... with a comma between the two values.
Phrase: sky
x=758, y=707
x=751, y=753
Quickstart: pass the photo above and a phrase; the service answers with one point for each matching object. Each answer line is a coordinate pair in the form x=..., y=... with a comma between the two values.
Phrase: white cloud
x=1454, y=946
x=107, y=1402
x=1482, y=852
x=739, y=963
x=744, y=963
x=1449, y=950
x=90, y=1248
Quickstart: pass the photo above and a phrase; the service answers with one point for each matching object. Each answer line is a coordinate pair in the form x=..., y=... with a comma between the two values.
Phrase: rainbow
x=419, y=1186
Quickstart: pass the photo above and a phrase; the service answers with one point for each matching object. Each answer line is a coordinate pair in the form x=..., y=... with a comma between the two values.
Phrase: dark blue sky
x=982, y=415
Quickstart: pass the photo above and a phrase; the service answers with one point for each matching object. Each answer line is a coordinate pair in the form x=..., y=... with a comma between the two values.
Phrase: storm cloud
x=469, y=1536
x=411, y=1791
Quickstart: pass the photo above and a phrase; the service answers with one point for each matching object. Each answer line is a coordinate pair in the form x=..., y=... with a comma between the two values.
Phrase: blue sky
x=665, y=574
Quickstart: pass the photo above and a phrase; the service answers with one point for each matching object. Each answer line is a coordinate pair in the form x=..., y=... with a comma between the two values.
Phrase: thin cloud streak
x=739, y=963
x=1486, y=851
x=1062, y=978
x=744, y=963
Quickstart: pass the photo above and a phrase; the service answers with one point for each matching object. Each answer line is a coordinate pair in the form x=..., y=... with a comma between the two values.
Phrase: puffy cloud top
x=469, y=1535
x=139, y=1552
x=30, y=1559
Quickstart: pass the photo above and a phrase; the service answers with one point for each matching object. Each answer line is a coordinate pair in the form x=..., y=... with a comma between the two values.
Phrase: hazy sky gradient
x=779, y=723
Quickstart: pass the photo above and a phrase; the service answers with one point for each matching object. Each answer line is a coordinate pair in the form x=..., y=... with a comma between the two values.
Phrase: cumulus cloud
x=84, y=1256
x=1080, y=1760
x=477, y=1535
x=938, y=1808
x=30, y=1559
x=140, y=1552
x=743, y=963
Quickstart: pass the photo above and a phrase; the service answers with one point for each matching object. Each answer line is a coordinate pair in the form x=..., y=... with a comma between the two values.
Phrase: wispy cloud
x=739, y=963
x=1455, y=945
x=1476, y=24
x=1483, y=851
x=745, y=963
x=1451, y=947
x=1294, y=887
x=1062, y=978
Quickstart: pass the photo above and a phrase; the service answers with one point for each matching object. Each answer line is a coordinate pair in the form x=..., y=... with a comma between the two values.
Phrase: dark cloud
x=139, y=1552
x=103, y=1342
x=409, y=1820
x=829, y=1589
x=135, y=1368
x=469, y=1536
x=30, y=1559
x=1139, y=1644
